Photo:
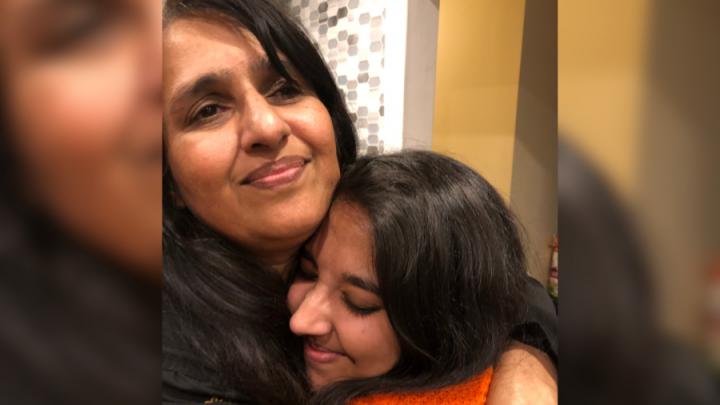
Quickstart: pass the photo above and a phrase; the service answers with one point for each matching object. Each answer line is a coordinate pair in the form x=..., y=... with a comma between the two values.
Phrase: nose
x=313, y=316
x=262, y=127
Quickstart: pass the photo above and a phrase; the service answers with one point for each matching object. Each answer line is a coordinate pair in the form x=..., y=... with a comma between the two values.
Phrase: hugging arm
x=526, y=372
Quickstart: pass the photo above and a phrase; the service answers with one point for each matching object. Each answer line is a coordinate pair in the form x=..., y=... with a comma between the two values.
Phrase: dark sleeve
x=178, y=388
x=539, y=328
x=184, y=378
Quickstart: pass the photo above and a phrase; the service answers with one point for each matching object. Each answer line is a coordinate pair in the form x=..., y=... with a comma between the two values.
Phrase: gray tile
x=364, y=18
x=363, y=77
x=376, y=34
x=323, y=6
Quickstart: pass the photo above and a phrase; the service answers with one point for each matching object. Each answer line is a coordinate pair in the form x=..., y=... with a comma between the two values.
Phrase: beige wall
x=478, y=65
x=499, y=116
x=533, y=192
x=602, y=48
x=635, y=96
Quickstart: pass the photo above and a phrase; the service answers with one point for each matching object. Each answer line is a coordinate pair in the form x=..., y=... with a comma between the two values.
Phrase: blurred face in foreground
x=82, y=97
x=336, y=306
x=251, y=152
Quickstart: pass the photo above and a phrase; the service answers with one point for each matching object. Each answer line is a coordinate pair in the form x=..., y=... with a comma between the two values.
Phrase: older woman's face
x=82, y=93
x=252, y=155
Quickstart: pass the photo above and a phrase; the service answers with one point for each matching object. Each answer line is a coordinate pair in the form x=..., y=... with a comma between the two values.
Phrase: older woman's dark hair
x=450, y=267
x=225, y=317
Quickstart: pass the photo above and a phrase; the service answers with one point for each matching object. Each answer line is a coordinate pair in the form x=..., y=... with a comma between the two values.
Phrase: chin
x=300, y=224
x=316, y=381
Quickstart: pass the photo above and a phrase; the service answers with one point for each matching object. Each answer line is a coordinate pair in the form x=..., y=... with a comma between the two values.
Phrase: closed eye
x=357, y=309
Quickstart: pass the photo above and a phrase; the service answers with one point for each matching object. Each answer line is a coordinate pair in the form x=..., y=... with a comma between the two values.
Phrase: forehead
x=194, y=46
x=344, y=240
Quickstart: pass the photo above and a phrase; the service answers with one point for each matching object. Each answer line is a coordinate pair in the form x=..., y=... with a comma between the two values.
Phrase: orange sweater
x=471, y=392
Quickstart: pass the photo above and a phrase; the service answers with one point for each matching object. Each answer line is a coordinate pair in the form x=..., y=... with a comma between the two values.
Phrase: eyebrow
x=347, y=277
x=262, y=65
x=361, y=283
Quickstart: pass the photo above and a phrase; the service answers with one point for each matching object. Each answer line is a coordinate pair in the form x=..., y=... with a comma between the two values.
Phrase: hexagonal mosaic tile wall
x=350, y=35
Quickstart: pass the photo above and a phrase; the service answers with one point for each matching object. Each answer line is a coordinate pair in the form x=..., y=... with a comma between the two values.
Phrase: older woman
x=256, y=136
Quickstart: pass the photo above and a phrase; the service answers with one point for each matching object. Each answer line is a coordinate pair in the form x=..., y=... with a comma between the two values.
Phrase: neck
x=280, y=262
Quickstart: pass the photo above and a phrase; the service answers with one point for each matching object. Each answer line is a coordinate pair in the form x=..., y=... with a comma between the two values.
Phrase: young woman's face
x=252, y=155
x=81, y=84
x=336, y=306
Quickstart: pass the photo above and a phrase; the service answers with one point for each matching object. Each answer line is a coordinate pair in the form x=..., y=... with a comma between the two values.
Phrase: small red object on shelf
x=553, y=278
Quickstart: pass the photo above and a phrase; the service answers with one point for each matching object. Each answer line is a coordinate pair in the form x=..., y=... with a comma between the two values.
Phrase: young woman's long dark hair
x=225, y=307
x=450, y=268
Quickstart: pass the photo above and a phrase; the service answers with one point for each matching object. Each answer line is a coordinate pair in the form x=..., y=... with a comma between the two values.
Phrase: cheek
x=201, y=163
x=61, y=117
x=296, y=295
x=372, y=343
x=311, y=122
x=76, y=107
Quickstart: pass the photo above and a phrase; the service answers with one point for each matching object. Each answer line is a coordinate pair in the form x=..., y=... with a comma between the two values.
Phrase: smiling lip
x=319, y=354
x=273, y=174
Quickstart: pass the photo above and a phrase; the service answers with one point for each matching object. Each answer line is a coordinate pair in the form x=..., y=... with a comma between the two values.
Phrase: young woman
x=413, y=282
x=256, y=135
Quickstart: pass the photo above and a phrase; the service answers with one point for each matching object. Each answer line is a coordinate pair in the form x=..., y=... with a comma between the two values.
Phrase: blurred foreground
x=80, y=156
x=638, y=102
